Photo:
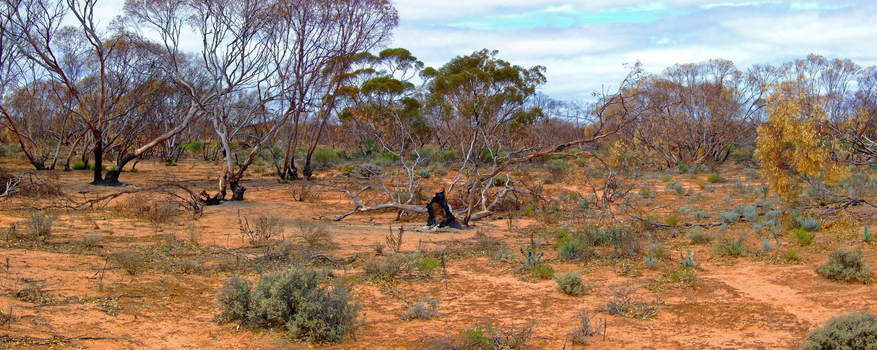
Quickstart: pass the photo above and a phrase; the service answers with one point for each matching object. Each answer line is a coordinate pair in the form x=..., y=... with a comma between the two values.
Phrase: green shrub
x=234, y=300
x=571, y=284
x=386, y=268
x=650, y=261
x=848, y=332
x=846, y=266
x=729, y=217
x=324, y=315
x=803, y=236
x=808, y=224
x=427, y=265
x=730, y=246
x=699, y=236
x=295, y=299
x=575, y=249
x=80, y=166
x=867, y=237
x=195, y=147
x=542, y=271
x=714, y=178
x=326, y=158
x=672, y=220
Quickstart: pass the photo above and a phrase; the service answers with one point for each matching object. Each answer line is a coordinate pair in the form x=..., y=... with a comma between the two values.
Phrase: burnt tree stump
x=440, y=214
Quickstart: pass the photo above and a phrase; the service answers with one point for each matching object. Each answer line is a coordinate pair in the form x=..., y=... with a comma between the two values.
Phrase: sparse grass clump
x=846, y=266
x=386, y=268
x=699, y=236
x=731, y=246
x=131, y=261
x=571, y=284
x=295, y=299
x=808, y=224
x=575, y=249
x=624, y=303
x=714, y=178
x=848, y=332
x=584, y=329
x=487, y=337
x=39, y=226
x=426, y=309
x=263, y=229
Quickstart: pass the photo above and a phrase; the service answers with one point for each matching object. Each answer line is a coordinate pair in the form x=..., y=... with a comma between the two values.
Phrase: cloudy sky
x=585, y=43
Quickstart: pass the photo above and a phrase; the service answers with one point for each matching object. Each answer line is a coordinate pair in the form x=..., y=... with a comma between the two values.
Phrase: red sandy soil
x=743, y=303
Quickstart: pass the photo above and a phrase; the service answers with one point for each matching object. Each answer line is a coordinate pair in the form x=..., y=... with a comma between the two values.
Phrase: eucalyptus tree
x=321, y=39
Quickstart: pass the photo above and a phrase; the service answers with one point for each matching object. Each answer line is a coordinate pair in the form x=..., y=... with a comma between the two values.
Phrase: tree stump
x=440, y=213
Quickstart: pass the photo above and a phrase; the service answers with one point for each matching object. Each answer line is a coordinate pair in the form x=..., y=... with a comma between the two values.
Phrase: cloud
x=585, y=44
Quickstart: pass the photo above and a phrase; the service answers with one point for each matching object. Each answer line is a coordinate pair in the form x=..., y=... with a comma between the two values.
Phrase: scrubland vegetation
x=275, y=185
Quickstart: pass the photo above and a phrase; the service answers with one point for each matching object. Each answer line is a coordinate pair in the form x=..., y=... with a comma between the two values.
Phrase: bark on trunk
x=440, y=213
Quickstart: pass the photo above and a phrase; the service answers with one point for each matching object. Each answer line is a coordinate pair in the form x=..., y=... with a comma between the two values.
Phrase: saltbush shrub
x=848, y=332
x=571, y=284
x=39, y=226
x=845, y=265
x=295, y=299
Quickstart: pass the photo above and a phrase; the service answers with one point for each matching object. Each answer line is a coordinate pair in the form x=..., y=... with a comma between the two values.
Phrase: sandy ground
x=87, y=302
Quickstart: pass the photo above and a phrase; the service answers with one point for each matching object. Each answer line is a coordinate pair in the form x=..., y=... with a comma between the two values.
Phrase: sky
x=585, y=44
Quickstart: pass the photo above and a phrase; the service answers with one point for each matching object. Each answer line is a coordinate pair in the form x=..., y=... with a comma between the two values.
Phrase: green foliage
x=846, y=266
x=234, y=300
x=195, y=147
x=807, y=223
x=293, y=299
x=386, y=268
x=326, y=158
x=673, y=220
x=575, y=249
x=676, y=187
x=427, y=265
x=804, y=237
x=542, y=272
x=730, y=246
x=650, y=261
x=714, y=178
x=688, y=261
x=80, y=166
x=867, y=237
x=571, y=284
x=848, y=332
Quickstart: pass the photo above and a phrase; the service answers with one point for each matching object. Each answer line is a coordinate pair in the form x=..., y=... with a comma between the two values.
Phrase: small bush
x=39, y=226
x=729, y=217
x=293, y=299
x=130, y=261
x=80, y=166
x=427, y=265
x=326, y=158
x=571, y=284
x=699, y=236
x=848, y=332
x=234, y=300
x=314, y=235
x=676, y=187
x=730, y=246
x=804, y=237
x=846, y=266
x=262, y=230
x=542, y=271
x=673, y=220
x=808, y=224
x=423, y=310
x=714, y=178
x=386, y=268
x=575, y=249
